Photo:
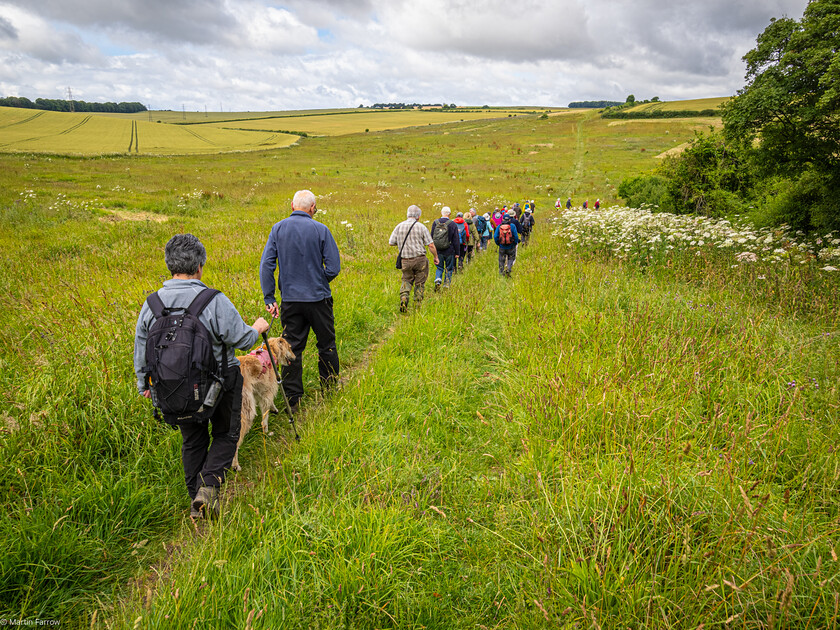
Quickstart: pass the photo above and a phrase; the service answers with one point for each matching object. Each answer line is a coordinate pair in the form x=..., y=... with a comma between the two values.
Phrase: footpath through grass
x=578, y=445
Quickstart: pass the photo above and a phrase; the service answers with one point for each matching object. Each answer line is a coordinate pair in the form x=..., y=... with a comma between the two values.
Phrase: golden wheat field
x=33, y=131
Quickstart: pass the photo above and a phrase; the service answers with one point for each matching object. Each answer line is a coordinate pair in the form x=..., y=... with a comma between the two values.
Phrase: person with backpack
x=514, y=221
x=447, y=242
x=184, y=361
x=472, y=239
x=497, y=217
x=527, y=226
x=305, y=256
x=412, y=237
x=506, y=237
x=484, y=230
x=463, y=239
x=597, y=204
x=569, y=203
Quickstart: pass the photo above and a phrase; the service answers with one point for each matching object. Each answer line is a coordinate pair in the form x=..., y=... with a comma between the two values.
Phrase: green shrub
x=643, y=189
x=807, y=202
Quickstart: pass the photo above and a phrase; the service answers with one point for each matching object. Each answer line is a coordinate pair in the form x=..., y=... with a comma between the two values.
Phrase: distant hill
x=703, y=107
x=697, y=104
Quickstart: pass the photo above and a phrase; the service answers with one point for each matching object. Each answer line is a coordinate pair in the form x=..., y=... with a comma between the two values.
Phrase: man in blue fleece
x=306, y=258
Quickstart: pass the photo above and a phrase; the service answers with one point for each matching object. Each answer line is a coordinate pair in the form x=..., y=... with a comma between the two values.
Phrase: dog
x=259, y=386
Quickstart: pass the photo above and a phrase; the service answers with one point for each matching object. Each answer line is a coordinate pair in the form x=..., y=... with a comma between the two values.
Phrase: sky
x=257, y=55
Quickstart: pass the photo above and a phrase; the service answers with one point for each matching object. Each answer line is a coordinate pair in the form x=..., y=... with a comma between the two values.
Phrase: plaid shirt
x=418, y=239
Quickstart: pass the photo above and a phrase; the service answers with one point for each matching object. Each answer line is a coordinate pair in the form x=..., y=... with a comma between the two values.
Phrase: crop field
x=31, y=131
x=172, y=116
x=638, y=429
x=355, y=122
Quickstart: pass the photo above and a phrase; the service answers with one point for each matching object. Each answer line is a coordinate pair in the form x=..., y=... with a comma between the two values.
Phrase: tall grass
x=590, y=443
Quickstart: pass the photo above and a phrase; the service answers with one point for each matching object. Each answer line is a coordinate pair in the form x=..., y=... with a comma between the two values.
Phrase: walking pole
x=280, y=383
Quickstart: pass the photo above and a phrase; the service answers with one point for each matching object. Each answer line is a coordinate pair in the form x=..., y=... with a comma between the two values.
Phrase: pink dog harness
x=262, y=354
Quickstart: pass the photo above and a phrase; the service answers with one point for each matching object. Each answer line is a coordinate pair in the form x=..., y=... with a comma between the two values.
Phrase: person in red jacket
x=463, y=237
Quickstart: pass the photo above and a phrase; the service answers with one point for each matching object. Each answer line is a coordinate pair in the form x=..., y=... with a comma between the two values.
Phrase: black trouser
x=203, y=466
x=297, y=318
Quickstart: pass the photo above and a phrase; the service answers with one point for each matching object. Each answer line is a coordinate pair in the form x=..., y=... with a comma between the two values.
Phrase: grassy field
x=356, y=122
x=31, y=131
x=698, y=104
x=172, y=116
x=605, y=440
x=181, y=133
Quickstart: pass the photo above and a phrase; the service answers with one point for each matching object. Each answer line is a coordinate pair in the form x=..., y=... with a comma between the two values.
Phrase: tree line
x=777, y=158
x=593, y=104
x=60, y=105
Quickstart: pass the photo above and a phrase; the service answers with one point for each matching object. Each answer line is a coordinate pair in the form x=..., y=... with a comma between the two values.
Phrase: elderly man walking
x=448, y=244
x=413, y=237
x=305, y=255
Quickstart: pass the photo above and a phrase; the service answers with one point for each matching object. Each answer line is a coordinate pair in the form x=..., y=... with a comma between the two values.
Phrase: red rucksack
x=505, y=235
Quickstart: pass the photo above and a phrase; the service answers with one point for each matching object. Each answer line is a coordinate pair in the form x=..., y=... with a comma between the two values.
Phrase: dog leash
x=280, y=381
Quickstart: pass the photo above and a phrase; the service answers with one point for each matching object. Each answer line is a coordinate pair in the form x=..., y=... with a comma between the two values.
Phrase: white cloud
x=27, y=34
x=255, y=54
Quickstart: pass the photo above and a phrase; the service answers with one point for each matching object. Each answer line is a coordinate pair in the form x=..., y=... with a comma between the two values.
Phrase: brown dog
x=259, y=386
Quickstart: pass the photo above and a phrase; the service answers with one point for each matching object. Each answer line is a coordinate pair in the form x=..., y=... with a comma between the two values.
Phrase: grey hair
x=184, y=254
x=303, y=200
x=445, y=211
x=413, y=212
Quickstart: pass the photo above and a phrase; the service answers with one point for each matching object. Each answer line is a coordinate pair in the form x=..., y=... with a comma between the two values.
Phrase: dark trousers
x=205, y=466
x=462, y=254
x=506, y=259
x=297, y=319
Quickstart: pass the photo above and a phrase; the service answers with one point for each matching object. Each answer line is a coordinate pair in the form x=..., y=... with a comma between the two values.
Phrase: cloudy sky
x=301, y=54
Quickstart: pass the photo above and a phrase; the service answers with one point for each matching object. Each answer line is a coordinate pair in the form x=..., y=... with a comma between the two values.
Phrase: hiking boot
x=206, y=502
x=195, y=514
x=403, y=306
x=437, y=285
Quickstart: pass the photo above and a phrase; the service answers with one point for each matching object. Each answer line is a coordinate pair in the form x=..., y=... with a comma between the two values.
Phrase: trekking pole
x=280, y=383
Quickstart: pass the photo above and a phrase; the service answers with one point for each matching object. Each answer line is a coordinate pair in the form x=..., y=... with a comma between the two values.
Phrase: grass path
x=580, y=444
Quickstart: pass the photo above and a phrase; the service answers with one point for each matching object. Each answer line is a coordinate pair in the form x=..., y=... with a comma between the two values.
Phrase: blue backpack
x=462, y=232
x=480, y=224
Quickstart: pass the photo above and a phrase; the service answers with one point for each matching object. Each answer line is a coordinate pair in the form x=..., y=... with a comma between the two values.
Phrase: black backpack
x=182, y=371
x=440, y=235
x=480, y=224
x=527, y=223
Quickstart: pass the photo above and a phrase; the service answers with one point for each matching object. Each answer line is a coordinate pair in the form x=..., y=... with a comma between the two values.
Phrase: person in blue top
x=506, y=237
x=305, y=255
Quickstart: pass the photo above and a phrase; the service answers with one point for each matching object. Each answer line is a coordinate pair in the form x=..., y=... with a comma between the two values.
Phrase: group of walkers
x=453, y=242
x=186, y=333
x=559, y=204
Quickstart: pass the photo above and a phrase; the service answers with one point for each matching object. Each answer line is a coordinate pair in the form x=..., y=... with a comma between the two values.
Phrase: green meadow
x=596, y=442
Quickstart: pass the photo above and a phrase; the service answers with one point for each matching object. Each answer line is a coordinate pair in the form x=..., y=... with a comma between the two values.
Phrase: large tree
x=788, y=114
